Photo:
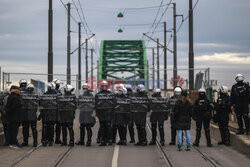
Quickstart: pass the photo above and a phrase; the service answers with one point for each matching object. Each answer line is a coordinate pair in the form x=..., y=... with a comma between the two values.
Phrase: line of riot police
x=124, y=109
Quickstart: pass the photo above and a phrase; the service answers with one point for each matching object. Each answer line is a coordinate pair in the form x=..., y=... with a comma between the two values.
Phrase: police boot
x=227, y=136
x=89, y=133
x=64, y=135
x=82, y=136
x=222, y=133
x=154, y=133
x=114, y=130
x=173, y=136
x=71, y=136
x=34, y=132
x=25, y=134
x=44, y=134
x=120, y=135
x=58, y=133
x=161, y=131
x=198, y=136
x=139, y=132
x=131, y=133
x=207, y=134
x=124, y=135
x=246, y=120
x=98, y=140
x=240, y=131
x=144, y=137
x=51, y=134
x=110, y=134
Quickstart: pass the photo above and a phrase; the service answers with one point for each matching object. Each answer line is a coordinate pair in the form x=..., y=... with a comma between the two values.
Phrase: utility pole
x=92, y=69
x=165, y=56
x=147, y=75
x=86, y=59
x=79, y=57
x=153, y=63
x=50, y=42
x=158, y=64
x=97, y=77
x=175, y=46
x=191, y=47
x=68, y=48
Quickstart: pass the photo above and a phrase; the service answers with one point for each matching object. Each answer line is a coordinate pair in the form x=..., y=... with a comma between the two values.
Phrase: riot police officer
x=48, y=114
x=202, y=115
x=66, y=108
x=140, y=107
x=240, y=99
x=122, y=114
x=158, y=115
x=29, y=114
x=222, y=108
x=104, y=106
x=131, y=122
x=58, y=128
x=86, y=103
x=171, y=103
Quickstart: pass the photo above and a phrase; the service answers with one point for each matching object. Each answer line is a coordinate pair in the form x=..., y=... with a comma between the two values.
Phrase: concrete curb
x=239, y=142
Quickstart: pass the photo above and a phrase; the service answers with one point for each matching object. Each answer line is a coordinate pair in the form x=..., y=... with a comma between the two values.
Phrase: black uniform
x=131, y=122
x=240, y=98
x=66, y=108
x=48, y=114
x=122, y=116
x=58, y=125
x=202, y=114
x=159, y=114
x=30, y=104
x=13, y=112
x=222, y=108
x=4, y=119
x=171, y=103
x=104, y=105
x=86, y=103
x=140, y=107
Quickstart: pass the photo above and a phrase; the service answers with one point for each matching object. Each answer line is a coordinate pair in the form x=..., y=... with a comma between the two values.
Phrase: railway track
x=168, y=161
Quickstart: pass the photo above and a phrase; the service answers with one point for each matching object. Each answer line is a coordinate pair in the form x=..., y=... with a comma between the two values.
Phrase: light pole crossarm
x=162, y=46
x=83, y=43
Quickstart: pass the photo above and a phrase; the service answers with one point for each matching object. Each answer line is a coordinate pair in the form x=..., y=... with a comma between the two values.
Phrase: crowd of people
x=118, y=111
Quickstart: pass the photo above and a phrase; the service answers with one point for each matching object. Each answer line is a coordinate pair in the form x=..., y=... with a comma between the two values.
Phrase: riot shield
x=30, y=103
x=48, y=105
x=122, y=105
x=66, y=108
x=104, y=101
x=158, y=104
x=86, y=105
x=139, y=104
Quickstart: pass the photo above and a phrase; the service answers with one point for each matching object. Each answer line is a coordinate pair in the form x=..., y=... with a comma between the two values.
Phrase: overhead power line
x=70, y=15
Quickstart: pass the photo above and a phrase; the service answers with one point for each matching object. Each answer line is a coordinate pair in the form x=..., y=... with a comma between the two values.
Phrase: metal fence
x=155, y=80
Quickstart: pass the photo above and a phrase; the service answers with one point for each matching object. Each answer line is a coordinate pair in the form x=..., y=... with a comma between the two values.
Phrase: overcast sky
x=221, y=33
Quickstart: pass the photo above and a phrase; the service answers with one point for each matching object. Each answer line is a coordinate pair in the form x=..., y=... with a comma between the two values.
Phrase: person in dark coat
x=3, y=102
x=182, y=119
x=202, y=114
x=222, y=108
x=13, y=112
